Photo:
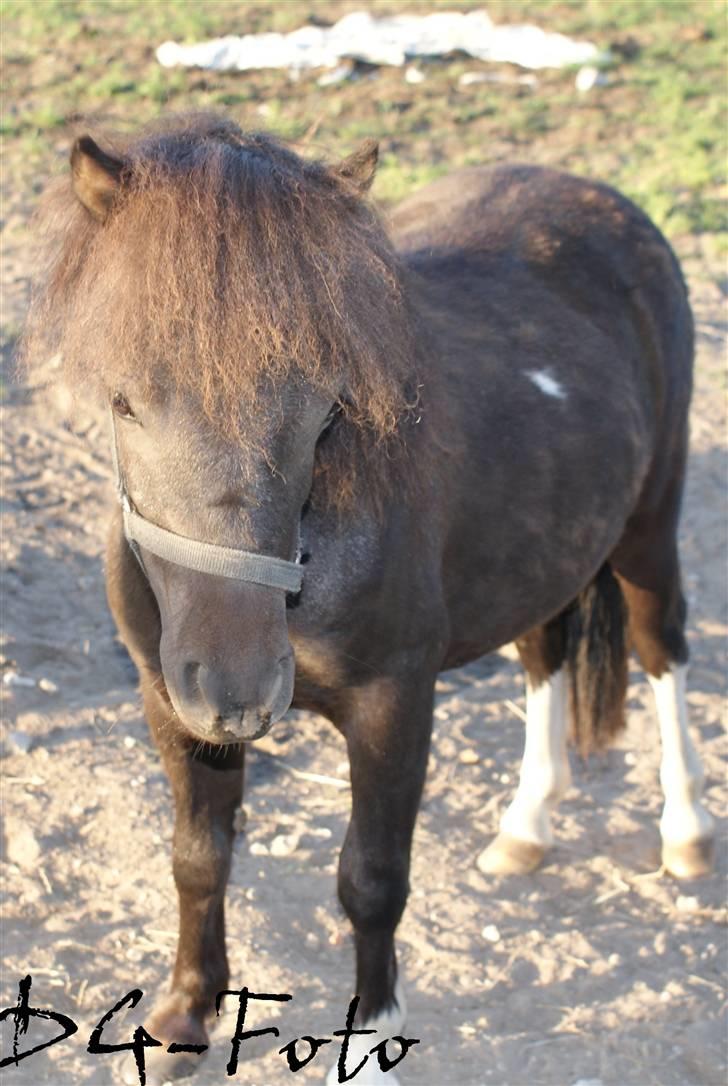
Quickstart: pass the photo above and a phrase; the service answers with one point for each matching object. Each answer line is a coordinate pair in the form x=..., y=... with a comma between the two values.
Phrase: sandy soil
x=599, y=968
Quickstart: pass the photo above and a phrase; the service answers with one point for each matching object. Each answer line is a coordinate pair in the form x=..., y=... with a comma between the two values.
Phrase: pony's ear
x=96, y=176
x=359, y=169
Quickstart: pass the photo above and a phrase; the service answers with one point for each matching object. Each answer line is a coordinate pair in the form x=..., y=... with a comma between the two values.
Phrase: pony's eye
x=120, y=406
x=329, y=421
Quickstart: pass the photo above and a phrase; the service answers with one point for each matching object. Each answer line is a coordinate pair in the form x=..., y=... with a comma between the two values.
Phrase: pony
x=350, y=458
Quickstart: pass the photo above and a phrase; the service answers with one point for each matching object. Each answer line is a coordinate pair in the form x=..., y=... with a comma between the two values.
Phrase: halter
x=194, y=554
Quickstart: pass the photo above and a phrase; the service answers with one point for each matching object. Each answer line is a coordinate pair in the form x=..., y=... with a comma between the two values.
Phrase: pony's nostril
x=191, y=680
x=225, y=708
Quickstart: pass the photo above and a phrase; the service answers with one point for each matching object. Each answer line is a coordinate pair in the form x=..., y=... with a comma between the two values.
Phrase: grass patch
x=657, y=130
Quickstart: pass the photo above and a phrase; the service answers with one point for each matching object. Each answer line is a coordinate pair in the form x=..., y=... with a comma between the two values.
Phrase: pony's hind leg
x=525, y=828
x=647, y=567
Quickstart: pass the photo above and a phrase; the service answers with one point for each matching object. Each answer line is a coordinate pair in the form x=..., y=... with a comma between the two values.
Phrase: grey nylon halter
x=194, y=554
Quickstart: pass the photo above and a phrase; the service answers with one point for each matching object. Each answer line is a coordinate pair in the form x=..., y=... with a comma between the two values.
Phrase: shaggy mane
x=228, y=267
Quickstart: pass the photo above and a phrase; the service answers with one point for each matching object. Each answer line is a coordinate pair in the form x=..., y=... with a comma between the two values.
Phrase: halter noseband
x=193, y=554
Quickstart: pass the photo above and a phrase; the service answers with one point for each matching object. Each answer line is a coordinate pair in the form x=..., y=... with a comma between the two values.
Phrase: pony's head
x=227, y=300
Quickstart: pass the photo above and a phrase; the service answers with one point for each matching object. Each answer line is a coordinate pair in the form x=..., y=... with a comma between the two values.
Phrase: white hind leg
x=686, y=827
x=525, y=828
x=647, y=565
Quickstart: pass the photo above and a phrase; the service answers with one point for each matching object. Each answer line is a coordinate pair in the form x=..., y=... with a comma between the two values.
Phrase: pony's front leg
x=207, y=787
x=387, y=725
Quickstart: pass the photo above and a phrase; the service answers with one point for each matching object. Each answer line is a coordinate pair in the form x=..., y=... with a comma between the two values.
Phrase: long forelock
x=229, y=267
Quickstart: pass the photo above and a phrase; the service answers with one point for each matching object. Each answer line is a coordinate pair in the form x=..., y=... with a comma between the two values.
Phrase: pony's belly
x=519, y=585
x=461, y=653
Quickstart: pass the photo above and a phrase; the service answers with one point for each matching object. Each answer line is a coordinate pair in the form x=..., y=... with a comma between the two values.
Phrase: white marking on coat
x=547, y=384
x=388, y=1023
x=684, y=819
x=545, y=774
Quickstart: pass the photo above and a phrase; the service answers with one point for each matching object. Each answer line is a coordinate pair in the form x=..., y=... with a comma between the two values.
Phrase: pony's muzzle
x=223, y=714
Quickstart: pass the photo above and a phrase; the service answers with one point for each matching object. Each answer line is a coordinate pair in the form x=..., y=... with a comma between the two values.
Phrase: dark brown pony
x=473, y=434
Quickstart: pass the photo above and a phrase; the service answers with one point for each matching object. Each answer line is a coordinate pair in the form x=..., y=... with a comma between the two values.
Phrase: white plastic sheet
x=388, y=41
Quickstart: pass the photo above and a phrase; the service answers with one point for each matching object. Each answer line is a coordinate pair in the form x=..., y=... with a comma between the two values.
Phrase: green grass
x=657, y=130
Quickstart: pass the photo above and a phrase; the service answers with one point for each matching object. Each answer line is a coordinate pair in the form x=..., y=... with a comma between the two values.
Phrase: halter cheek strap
x=194, y=554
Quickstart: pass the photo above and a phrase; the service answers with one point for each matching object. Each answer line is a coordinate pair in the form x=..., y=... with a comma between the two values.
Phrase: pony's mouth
x=246, y=727
x=251, y=726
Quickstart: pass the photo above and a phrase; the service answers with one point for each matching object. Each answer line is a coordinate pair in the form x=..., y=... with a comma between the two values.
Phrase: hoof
x=371, y=1074
x=163, y=1066
x=388, y=1023
x=506, y=855
x=691, y=860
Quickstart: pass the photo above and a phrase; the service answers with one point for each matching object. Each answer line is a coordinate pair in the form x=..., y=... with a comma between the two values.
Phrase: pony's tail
x=596, y=657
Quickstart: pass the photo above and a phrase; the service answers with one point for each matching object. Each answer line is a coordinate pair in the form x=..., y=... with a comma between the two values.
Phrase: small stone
x=685, y=904
x=589, y=77
x=468, y=78
x=259, y=849
x=129, y=742
x=284, y=844
x=614, y=960
x=469, y=756
x=19, y=742
x=414, y=75
x=48, y=686
x=320, y=831
x=12, y=678
x=491, y=933
x=336, y=75
x=504, y=778
x=22, y=848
